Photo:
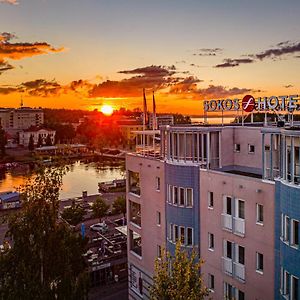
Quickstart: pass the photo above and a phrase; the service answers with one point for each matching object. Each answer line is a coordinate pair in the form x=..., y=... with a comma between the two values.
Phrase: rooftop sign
x=249, y=104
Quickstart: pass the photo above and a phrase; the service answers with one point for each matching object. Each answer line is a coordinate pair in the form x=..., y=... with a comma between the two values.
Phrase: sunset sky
x=86, y=53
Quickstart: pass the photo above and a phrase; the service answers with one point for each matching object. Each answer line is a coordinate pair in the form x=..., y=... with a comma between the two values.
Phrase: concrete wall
x=257, y=238
x=151, y=201
x=243, y=159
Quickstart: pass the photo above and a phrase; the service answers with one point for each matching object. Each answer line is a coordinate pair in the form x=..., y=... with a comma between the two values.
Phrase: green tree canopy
x=178, y=277
x=119, y=206
x=100, y=208
x=74, y=214
x=45, y=261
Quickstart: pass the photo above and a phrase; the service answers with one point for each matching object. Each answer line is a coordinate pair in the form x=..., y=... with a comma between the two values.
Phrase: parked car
x=100, y=227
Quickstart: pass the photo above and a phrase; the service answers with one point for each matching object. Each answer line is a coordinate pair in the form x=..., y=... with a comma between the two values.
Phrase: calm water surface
x=81, y=176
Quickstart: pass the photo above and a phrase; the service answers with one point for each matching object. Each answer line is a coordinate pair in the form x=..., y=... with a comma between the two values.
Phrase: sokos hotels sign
x=249, y=104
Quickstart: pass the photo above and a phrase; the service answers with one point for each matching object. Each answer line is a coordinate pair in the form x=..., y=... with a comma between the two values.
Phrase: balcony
x=233, y=224
x=227, y=265
x=227, y=222
x=239, y=271
x=233, y=269
x=239, y=226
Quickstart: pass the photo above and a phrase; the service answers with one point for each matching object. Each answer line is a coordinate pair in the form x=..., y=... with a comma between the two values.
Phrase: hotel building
x=230, y=192
x=13, y=120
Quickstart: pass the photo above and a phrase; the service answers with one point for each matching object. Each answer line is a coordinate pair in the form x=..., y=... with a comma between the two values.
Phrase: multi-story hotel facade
x=231, y=193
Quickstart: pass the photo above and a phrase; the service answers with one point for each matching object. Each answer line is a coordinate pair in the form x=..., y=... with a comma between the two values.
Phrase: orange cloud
x=16, y=51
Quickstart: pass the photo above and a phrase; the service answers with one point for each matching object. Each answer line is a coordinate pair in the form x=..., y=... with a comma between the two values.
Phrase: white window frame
x=225, y=249
x=249, y=149
x=192, y=197
x=258, y=221
x=159, y=251
x=287, y=221
x=211, y=240
x=286, y=278
x=235, y=147
x=211, y=282
x=225, y=205
x=292, y=293
x=170, y=193
x=237, y=201
x=282, y=227
x=158, y=218
x=157, y=183
x=174, y=233
x=192, y=231
x=210, y=198
x=258, y=270
x=181, y=202
x=171, y=232
x=292, y=237
x=237, y=254
x=173, y=200
x=182, y=235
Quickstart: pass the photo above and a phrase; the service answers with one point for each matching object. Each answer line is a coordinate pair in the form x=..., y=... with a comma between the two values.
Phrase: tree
x=40, y=141
x=74, y=214
x=31, y=143
x=119, y=206
x=100, y=208
x=45, y=260
x=48, y=140
x=3, y=141
x=178, y=277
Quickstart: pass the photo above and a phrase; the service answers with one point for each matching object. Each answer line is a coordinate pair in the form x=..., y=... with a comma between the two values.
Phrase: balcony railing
x=227, y=222
x=239, y=271
x=233, y=269
x=227, y=266
x=239, y=226
x=233, y=224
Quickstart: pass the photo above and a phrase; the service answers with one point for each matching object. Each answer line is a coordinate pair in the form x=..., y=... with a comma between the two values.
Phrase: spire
x=21, y=104
x=144, y=110
x=154, y=113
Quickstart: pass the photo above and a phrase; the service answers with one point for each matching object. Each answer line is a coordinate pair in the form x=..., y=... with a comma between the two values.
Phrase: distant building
x=128, y=128
x=161, y=120
x=35, y=132
x=20, y=118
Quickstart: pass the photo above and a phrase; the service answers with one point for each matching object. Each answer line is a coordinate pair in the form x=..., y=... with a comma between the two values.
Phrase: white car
x=100, y=227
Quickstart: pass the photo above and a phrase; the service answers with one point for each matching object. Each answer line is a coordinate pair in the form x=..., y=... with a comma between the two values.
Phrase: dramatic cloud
x=16, y=51
x=187, y=85
x=221, y=92
x=227, y=63
x=152, y=71
x=8, y=90
x=4, y=66
x=282, y=48
x=12, y=2
x=288, y=86
x=42, y=88
x=150, y=77
x=208, y=52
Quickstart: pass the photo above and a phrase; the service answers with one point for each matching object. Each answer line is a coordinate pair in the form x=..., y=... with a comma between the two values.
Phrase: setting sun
x=107, y=109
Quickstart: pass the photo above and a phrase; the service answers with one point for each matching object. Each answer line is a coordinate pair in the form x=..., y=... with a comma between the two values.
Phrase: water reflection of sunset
x=81, y=176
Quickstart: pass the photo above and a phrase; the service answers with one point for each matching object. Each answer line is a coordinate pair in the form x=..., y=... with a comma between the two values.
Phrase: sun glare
x=107, y=109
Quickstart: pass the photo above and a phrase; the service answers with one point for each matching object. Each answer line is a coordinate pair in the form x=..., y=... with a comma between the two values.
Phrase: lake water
x=82, y=176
